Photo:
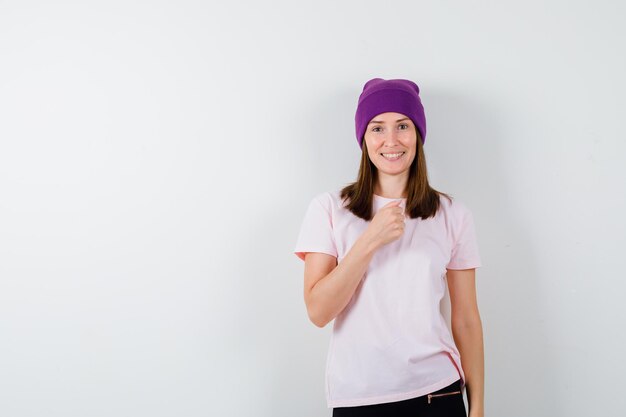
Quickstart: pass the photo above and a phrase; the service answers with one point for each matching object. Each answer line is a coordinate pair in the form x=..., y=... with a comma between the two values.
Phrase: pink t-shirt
x=391, y=342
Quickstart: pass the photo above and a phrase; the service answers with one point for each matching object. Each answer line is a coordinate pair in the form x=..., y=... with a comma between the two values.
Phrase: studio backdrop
x=157, y=159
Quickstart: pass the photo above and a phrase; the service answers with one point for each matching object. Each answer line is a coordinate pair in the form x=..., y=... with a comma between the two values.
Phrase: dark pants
x=451, y=405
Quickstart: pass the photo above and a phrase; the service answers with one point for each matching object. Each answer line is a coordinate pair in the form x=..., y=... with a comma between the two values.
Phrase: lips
x=393, y=156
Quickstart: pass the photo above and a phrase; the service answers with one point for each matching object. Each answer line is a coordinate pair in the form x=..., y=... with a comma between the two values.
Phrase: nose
x=392, y=137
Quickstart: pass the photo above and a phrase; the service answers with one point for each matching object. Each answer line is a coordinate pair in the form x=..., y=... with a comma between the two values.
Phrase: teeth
x=392, y=155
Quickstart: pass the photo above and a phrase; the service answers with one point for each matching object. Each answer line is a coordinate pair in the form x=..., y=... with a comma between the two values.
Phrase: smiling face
x=386, y=136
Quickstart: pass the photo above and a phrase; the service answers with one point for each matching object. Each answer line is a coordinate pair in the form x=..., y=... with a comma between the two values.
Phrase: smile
x=392, y=156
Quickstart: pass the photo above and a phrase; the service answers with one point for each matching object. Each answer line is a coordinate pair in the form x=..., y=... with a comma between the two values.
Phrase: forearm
x=468, y=338
x=332, y=293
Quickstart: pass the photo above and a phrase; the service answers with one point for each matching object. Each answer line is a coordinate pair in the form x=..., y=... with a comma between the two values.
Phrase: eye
x=374, y=129
x=404, y=124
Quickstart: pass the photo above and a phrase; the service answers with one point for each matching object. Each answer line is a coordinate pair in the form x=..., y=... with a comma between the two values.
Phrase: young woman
x=377, y=254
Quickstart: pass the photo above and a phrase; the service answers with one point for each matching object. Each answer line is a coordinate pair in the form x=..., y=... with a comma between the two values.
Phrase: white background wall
x=156, y=159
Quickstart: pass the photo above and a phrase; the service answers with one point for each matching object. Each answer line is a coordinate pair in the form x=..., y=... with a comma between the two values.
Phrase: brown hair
x=422, y=200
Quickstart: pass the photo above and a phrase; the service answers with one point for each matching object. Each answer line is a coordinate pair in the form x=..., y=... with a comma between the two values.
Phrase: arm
x=328, y=286
x=468, y=335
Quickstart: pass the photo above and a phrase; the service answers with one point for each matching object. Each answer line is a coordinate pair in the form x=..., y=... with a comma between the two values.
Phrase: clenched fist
x=387, y=224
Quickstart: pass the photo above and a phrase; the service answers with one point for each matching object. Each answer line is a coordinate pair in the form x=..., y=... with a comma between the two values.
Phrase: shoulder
x=330, y=200
x=453, y=205
x=454, y=212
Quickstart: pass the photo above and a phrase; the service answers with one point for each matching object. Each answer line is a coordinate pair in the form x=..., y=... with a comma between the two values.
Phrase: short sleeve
x=465, y=254
x=316, y=231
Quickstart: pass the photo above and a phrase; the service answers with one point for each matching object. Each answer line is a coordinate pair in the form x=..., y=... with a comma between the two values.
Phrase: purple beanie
x=381, y=96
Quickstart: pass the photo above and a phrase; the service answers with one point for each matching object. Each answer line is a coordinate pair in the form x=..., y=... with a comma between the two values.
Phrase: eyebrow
x=380, y=121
